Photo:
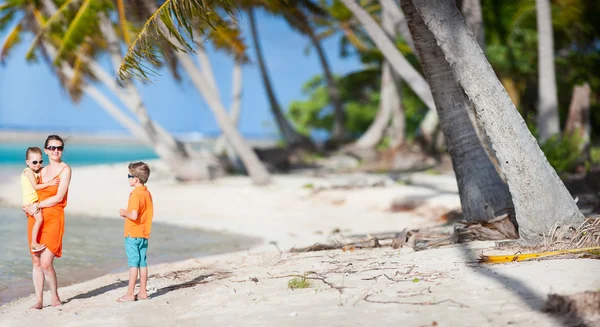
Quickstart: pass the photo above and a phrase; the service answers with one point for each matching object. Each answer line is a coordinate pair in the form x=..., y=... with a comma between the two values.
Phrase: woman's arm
x=63, y=187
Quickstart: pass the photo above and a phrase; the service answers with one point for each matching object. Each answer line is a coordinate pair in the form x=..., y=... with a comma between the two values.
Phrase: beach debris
x=499, y=228
x=580, y=309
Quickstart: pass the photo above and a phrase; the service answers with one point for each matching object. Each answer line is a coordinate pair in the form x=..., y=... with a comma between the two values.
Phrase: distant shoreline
x=19, y=136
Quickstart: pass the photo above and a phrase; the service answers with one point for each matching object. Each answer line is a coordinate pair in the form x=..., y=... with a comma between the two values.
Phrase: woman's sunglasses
x=130, y=176
x=52, y=148
x=35, y=162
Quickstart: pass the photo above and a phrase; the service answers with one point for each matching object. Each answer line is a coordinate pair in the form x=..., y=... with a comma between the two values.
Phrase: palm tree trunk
x=482, y=192
x=401, y=26
x=255, y=168
x=390, y=93
x=548, y=122
x=131, y=96
x=257, y=171
x=540, y=198
x=338, y=133
x=221, y=145
x=289, y=134
x=397, y=129
x=401, y=66
x=471, y=10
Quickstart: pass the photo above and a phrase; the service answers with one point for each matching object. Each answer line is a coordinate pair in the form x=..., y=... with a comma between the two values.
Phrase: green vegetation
x=298, y=282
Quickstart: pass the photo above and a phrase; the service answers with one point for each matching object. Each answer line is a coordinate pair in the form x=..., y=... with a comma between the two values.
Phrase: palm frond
x=47, y=24
x=6, y=16
x=76, y=31
x=228, y=37
x=123, y=22
x=175, y=22
x=13, y=38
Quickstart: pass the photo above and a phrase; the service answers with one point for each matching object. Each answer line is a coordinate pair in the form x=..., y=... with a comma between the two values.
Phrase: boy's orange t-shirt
x=140, y=200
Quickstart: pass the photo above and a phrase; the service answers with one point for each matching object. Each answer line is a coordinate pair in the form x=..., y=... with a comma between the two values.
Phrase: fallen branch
x=366, y=299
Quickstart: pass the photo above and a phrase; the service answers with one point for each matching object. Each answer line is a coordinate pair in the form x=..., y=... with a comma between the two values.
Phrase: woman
x=52, y=202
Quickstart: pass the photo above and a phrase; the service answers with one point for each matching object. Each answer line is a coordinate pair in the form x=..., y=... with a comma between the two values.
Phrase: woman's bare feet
x=56, y=302
x=37, y=306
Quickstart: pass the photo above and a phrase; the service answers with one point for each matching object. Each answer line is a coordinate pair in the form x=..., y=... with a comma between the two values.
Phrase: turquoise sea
x=12, y=154
x=92, y=246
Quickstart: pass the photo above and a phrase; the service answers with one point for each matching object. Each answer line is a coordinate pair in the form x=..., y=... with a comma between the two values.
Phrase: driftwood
x=499, y=228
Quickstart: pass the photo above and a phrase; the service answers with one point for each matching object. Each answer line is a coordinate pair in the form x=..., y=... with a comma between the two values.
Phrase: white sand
x=421, y=287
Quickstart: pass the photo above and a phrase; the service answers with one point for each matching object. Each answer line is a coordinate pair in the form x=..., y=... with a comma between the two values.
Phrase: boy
x=138, y=225
x=29, y=186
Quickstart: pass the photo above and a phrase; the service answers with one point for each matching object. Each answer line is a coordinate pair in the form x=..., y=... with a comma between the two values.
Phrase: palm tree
x=298, y=19
x=548, y=122
x=482, y=192
x=158, y=25
x=540, y=198
x=73, y=79
x=400, y=65
x=288, y=132
x=390, y=103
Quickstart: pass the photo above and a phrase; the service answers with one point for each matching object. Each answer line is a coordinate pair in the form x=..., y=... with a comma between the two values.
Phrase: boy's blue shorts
x=136, y=248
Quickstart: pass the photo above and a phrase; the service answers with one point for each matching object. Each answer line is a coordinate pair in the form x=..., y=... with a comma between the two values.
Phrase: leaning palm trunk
x=338, y=133
x=221, y=145
x=400, y=65
x=255, y=168
x=482, y=192
x=163, y=143
x=289, y=134
x=540, y=198
x=257, y=171
x=548, y=122
x=471, y=10
x=390, y=96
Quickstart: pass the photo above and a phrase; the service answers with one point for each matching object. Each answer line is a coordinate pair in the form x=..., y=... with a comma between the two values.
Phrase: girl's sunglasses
x=52, y=148
x=35, y=162
x=130, y=176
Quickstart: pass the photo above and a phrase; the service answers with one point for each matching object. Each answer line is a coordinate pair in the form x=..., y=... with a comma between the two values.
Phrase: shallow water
x=93, y=247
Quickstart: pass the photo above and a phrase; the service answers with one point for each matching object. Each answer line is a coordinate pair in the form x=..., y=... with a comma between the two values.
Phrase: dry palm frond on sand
x=585, y=239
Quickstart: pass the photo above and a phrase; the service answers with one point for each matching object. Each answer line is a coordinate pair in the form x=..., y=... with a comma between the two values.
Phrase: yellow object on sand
x=528, y=256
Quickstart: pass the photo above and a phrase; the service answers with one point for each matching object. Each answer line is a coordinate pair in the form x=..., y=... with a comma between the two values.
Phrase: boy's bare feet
x=142, y=296
x=126, y=298
x=56, y=302
x=37, y=306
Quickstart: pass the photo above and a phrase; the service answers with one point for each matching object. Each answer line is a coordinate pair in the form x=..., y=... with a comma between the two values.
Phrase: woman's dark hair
x=53, y=138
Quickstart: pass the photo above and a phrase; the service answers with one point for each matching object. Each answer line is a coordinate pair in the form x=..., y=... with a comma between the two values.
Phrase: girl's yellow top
x=29, y=194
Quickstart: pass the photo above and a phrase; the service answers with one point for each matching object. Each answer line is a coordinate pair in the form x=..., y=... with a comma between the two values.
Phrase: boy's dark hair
x=32, y=149
x=141, y=170
x=55, y=138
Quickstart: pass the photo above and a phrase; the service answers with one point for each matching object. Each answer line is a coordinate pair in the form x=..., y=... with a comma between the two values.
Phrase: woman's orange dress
x=53, y=227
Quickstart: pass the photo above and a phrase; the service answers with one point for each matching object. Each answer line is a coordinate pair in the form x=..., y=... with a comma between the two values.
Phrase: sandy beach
x=438, y=287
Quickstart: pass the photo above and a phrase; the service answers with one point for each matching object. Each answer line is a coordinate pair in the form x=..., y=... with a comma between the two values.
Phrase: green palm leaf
x=175, y=22
x=13, y=38
x=76, y=31
x=49, y=23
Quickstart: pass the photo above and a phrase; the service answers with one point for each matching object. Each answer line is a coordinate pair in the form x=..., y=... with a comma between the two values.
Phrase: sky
x=31, y=98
